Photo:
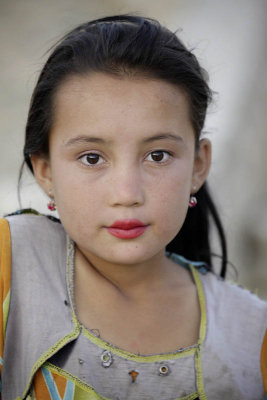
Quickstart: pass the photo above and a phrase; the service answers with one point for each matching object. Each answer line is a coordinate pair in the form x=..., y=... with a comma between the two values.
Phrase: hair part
x=128, y=46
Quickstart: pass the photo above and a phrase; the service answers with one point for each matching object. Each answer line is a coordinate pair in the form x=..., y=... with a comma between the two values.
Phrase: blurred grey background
x=228, y=37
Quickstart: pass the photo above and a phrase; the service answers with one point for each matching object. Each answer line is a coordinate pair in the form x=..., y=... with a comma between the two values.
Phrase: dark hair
x=122, y=45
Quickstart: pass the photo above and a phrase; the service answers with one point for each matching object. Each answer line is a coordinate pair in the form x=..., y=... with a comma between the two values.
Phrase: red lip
x=127, y=228
x=127, y=224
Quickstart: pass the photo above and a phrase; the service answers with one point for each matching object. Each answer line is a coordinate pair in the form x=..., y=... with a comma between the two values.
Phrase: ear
x=201, y=164
x=42, y=172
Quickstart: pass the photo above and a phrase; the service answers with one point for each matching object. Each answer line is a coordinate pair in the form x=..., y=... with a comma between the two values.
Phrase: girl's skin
x=138, y=299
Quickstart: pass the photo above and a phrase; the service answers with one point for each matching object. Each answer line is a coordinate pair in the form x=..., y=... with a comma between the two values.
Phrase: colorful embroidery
x=53, y=383
x=48, y=385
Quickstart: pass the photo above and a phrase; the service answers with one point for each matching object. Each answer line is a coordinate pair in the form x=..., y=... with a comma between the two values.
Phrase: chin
x=131, y=256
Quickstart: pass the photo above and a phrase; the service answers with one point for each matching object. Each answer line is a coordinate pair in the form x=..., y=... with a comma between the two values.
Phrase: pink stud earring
x=51, y=205
x=192, y=202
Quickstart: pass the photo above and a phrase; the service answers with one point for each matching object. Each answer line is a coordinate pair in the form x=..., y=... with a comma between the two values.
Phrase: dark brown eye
x=91, y=159
x=159, y=155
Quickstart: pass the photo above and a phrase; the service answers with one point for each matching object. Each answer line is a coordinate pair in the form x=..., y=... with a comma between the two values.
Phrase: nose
x=126, y=187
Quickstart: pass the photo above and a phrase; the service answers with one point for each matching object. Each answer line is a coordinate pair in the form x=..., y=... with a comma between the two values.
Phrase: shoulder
x=236, y=315
x=37, y=238
x=236, y=322
x=38, y=254
x=236, y=307
x=29, y=218
x=231, y=296
x=28, y=224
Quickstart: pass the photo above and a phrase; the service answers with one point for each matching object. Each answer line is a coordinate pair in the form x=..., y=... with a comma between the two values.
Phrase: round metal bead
x=106, y=359
x=164, y=370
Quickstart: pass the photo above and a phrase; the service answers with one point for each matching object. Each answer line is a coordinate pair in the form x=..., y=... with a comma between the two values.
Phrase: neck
x=131, y=280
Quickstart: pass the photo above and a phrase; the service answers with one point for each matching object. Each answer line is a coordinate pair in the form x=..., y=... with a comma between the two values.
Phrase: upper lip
x=127, y=224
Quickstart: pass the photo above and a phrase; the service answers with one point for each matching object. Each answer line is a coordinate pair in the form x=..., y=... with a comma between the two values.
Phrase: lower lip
x=127, y=233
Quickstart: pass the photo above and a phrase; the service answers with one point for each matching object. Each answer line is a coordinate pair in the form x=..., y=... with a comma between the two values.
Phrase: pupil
x=157, y=155
x=92, y=158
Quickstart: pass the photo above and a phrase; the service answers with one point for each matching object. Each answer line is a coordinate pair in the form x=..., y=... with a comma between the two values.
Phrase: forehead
x=100, y=101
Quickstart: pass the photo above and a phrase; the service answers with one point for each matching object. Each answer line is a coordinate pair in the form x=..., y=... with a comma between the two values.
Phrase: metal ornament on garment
x=134, y=374
x=106, y=359
x=164, y=370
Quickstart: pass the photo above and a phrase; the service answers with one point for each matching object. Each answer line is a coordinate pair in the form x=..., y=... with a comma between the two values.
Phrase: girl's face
x=122, y=149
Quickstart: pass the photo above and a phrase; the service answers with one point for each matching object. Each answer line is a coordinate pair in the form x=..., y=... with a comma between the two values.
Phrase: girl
x=101, y=306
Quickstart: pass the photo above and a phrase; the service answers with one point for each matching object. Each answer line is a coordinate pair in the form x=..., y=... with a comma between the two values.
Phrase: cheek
x=74, y=195
x=173, y=207
x=79, y=200
x=79, y=211
x=171, y=203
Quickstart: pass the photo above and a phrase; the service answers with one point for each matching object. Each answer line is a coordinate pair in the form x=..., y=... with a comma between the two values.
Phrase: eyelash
x=84, y=156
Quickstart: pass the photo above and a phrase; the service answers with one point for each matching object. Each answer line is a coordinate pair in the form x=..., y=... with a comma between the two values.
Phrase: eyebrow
x=163, y=136
x=93, y=139
x=84, y=139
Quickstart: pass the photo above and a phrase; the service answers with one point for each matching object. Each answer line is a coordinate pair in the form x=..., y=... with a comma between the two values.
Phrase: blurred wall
x=229, y=39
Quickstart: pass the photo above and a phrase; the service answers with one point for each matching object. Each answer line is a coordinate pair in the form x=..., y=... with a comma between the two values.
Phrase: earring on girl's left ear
x=193, y=199
x=51, y=205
